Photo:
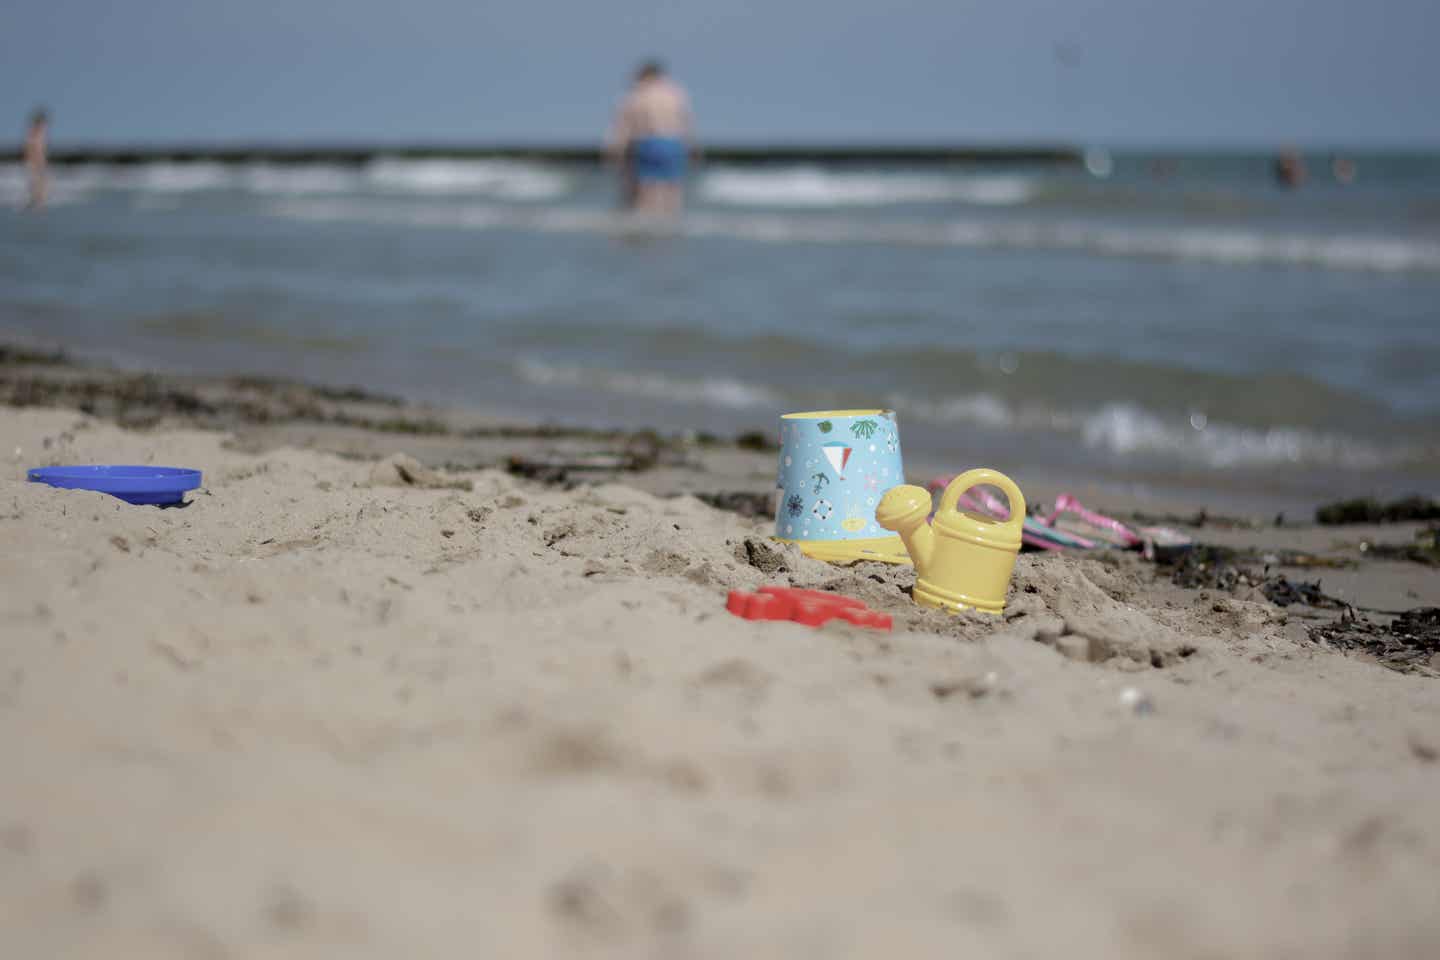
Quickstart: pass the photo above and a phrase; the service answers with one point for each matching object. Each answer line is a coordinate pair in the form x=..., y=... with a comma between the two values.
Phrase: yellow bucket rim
x=826, y=414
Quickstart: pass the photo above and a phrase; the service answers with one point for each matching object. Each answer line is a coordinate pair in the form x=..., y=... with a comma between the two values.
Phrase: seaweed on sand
x=1370, y=510
x=1409, y=644
x=1224, y=568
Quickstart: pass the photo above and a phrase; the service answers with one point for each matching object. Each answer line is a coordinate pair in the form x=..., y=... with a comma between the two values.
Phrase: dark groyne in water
x=833, y=154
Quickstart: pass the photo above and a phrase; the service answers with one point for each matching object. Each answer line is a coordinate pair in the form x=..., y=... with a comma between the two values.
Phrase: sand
x=315, y=714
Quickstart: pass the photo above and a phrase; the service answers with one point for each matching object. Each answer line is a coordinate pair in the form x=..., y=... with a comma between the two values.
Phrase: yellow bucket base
x=877, y=549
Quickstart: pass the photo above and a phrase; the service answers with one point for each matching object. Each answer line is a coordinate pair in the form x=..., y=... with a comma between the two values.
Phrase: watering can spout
x=905, y=510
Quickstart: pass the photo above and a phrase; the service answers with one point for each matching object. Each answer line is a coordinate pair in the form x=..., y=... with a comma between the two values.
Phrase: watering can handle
x=984, y=475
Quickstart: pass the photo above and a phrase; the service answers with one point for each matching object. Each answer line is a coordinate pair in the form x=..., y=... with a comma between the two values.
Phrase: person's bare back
x=651, y=141
x=655, y=107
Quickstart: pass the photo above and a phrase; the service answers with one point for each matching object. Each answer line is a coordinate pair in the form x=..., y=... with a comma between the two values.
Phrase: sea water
x=1179, y=322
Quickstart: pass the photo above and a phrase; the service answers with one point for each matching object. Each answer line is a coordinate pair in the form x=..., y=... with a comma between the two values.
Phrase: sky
x=1106, y=72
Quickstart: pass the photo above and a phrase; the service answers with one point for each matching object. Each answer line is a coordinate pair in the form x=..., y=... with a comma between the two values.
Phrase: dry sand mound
x=313, y=713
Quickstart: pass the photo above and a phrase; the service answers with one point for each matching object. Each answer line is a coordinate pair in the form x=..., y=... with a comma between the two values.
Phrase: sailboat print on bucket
x=838, y=453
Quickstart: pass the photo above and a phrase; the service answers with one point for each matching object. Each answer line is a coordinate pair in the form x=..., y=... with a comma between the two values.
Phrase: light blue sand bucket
x=835, y=465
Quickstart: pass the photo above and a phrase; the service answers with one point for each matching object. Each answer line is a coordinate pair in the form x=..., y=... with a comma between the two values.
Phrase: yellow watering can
x=962, y=559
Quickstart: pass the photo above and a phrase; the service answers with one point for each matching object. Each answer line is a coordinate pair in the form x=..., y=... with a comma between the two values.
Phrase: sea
x=1146, y=322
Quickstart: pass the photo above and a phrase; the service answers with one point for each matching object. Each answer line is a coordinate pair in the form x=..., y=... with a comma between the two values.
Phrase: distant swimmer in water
x=1290, y=169
x=651, y=141
x=1343, y=169
x=37, y=159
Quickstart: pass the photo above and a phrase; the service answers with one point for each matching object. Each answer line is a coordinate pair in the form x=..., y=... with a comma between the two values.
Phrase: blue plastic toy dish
x=157, y=485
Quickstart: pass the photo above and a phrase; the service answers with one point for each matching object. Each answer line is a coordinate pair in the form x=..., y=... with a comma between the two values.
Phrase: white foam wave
x=13, y=186
x=1236, y=247
x=472, y=215
x=981, y=409
x=168, y=177
x=817, y=187
x=299, y=179
x=1123, y=429
x=1126, y=430
x=1120, y=429
x=496, y=179
x=1228, y=247
x=1386, y=254
x=708, y=391
x=475, y=216
x=506, y=179
x=69, y=186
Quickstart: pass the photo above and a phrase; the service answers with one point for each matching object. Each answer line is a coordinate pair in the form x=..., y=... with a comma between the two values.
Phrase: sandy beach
x=327, y=710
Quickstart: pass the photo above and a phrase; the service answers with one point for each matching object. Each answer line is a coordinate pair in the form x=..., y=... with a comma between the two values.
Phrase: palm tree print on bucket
x=864, y=429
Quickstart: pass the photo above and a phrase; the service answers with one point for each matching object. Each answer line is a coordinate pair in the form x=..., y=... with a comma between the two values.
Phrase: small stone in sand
x=1136, y=700
x=1423, y=750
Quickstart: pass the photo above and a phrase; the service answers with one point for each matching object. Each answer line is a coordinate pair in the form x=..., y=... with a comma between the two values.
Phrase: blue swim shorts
x=659, y=159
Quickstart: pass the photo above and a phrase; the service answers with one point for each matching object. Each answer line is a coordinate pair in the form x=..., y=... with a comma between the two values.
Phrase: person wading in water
x=651, y=142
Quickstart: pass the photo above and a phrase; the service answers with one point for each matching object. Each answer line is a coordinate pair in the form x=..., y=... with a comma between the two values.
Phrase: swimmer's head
x=649, y=70
x=39, y=117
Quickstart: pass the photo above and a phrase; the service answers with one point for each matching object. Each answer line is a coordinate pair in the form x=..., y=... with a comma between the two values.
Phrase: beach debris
x=1370, y=510
x=1409, y=644
x=1425, y=548
x=30, y=378
x=641, y=451
x=974, y=688
x=1200, y=518
x=1208, y=567
x=1211, y=567
x=810, y=607
x=1283, y=593
x=1135, y=700
x=558, y=468
x=746, y=503
x=20, y=355
x=403, y=470
x=756, y=440
x=763, y=555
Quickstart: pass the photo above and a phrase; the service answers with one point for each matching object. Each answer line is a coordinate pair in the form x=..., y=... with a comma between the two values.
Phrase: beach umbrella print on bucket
x=838, y=454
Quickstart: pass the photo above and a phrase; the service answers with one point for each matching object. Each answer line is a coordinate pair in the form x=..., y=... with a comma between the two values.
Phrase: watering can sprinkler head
x=904, y=510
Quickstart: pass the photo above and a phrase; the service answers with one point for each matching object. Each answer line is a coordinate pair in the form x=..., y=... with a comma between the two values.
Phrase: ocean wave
x=1238, y=247
x=816, y=187
x=721, y=392
x=300, y=179
x=1126, y=430
x=1385, y=254
x=1235, y=247
x=64, y=189
x=166, y=177
x=460, y=215
x=496, y=179
x=1121, y=430
x=506, y=179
